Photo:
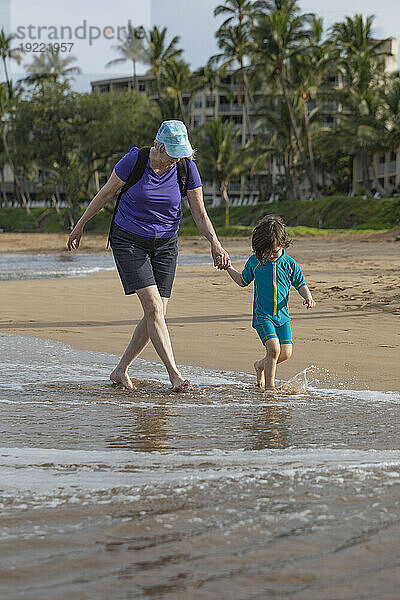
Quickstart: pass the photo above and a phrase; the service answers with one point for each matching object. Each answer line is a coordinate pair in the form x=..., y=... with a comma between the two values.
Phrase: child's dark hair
x=269, y=232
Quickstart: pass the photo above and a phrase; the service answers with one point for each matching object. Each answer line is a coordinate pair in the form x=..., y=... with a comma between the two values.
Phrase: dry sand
x=352, y=336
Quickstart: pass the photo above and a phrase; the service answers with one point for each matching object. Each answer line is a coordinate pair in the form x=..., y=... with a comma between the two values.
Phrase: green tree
x=360, y=128
x=281, y=32
x=234, y=41
x=211, y=78
x=7, y=106
x=131, y=49
x=234, y=10
x=74, y=136
x=274, y=141
x=50, y=66
x=220, y=156
x=309, y=73
x=158, y=52
x=8, y=53
x=180, y=86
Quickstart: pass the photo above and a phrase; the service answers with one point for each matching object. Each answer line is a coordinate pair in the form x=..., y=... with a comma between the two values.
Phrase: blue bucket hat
x=174, y=136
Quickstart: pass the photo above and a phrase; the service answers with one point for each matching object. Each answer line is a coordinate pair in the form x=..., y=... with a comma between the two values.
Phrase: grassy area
x=318, y=217
x=334, y=213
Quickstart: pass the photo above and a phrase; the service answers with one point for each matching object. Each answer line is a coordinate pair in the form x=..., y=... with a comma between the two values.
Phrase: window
x=210, y=101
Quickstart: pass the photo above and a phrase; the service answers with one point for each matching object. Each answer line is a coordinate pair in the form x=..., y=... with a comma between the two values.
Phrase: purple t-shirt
x=152, y=207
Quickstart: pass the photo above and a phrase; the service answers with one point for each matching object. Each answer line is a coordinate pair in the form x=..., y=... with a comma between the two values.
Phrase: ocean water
x=68, y=264
x=217, y=493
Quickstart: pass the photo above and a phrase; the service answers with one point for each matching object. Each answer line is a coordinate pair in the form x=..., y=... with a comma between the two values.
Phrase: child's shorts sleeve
x=297, y=276
x=248, y=272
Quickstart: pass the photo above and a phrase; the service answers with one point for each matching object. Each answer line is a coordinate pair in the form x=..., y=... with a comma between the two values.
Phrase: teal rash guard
x=272, y=283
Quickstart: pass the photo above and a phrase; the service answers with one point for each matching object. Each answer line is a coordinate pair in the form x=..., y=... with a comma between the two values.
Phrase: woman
x=144, y=239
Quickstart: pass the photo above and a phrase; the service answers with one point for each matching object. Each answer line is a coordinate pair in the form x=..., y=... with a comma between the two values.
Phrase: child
x=273, y=272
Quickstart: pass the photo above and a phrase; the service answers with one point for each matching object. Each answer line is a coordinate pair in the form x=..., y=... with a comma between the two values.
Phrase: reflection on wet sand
x=270, y=428
x=146, y=429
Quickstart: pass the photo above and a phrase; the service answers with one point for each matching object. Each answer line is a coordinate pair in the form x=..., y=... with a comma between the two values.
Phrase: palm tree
x=210, y=77
x=274, y=140
x=49, y=66
x=6, y=107
x=158, y=53
x=220, y=156
x=309, y=72
x=234, y=41
x=235, y=10
x=279, y=35
x=360, y=60
x=131, y=48
x=177, y=79
x=391, y=115
x=8, y=53
x=353, y=37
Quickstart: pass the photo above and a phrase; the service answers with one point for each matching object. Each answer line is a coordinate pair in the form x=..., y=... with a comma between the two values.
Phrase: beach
x=217, y=492
x=351, y=337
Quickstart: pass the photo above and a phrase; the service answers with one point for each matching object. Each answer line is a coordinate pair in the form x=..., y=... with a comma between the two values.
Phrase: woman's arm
x=236, y=276
x=103, y=196
x=202, y=220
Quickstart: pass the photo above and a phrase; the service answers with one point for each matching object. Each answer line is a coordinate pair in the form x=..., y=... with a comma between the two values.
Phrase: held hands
x=74, y=238
x=309, y=302
x=220, y=257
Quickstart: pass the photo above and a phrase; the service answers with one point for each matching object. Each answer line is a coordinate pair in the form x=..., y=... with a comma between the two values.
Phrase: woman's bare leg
x=139, y=341
x=157, y=329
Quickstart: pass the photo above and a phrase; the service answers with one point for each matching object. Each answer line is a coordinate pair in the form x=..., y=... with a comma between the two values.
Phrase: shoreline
x=48, y=243
x=352, y=335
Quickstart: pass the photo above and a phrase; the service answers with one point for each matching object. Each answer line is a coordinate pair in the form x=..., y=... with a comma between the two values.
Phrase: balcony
x=381, y=170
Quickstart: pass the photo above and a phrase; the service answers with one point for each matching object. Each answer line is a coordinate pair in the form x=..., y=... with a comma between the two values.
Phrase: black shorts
x=143, y=261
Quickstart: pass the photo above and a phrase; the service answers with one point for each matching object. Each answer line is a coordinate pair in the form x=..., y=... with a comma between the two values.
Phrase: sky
x=89, y=28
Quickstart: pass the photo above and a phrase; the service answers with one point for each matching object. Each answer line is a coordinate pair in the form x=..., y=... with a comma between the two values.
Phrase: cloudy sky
x=92, y=26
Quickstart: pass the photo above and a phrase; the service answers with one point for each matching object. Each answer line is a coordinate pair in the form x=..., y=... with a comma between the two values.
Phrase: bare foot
x=182, y=386
x=259, y=367
x=121, y=377
x=270, y=390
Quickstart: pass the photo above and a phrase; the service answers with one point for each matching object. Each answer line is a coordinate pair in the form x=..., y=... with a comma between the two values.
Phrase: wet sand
x=352, y=335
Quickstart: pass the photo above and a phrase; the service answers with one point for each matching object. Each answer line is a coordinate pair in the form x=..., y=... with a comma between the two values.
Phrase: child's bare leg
x=273, y=350
x=285, y=353
x=259, y=367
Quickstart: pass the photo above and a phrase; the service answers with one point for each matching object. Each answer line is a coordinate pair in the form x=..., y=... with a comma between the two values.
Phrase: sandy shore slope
x=352, y=336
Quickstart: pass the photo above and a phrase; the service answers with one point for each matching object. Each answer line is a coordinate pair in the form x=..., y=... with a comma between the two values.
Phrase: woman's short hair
x=159, y=146
x=269, y=233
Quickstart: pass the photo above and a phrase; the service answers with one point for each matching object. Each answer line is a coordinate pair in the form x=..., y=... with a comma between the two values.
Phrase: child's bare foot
x=121, y=377
x=270, y=390
x=181, y=386
x=259, y=367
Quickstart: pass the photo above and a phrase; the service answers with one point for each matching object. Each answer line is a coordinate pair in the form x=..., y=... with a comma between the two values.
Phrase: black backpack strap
x=135, y=175
x=183, y=176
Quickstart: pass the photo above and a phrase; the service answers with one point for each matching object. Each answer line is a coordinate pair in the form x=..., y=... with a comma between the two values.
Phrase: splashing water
x=296, y=384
